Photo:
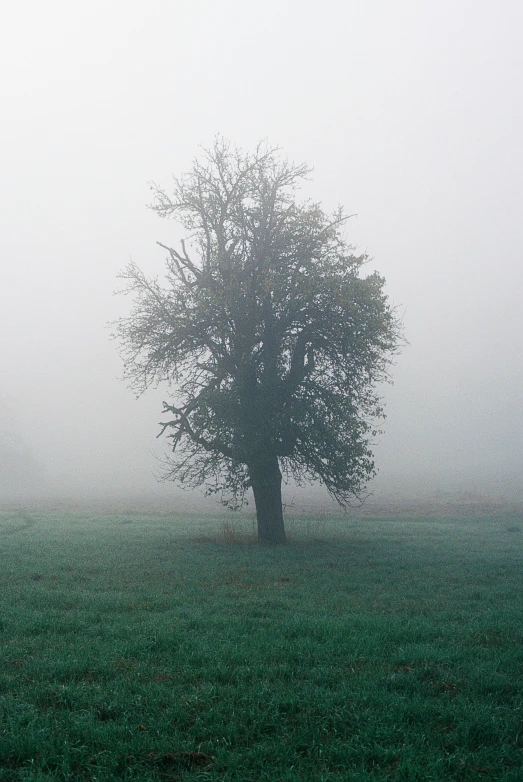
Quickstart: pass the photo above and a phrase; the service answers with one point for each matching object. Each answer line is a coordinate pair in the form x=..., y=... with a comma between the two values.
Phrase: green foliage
x=134, y=648
x=268, y=330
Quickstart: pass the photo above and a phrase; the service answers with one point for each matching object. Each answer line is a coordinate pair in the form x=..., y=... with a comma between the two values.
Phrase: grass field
x=143, y=647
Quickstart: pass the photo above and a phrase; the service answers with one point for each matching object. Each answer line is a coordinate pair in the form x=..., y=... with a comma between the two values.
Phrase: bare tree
x=268, y=333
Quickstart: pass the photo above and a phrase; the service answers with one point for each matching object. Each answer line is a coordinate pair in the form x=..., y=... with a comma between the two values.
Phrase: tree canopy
x=266, y=329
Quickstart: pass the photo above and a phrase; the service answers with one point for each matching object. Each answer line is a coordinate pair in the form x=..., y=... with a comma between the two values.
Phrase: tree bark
x=266, y=487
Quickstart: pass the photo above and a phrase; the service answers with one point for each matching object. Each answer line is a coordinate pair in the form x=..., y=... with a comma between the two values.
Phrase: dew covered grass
x=158, y=647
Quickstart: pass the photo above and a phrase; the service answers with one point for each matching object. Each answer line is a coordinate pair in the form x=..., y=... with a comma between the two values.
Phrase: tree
x=268, y=333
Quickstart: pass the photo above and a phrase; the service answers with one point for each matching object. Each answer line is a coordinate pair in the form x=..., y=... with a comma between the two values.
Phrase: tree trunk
x=266, y=487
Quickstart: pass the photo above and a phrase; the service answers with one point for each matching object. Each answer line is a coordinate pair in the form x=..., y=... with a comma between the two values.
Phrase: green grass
x=145, y=648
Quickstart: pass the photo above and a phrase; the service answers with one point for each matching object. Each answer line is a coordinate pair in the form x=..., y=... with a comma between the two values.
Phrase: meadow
x=166, y=647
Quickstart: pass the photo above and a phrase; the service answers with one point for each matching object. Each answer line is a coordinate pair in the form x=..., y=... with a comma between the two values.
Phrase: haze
x=412, y=116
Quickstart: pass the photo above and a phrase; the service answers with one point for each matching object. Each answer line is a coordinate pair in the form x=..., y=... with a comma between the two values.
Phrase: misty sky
x=411, y=115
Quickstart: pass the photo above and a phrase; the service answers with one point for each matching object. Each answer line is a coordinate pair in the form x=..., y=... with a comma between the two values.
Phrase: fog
x=411, y=115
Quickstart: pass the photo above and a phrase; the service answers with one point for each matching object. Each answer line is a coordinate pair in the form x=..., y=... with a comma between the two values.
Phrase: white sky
x=411, y=114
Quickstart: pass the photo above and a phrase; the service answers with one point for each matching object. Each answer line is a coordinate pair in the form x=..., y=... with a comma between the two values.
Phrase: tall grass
x=160, y=648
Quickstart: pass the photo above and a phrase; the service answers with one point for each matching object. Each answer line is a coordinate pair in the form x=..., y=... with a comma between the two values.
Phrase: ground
x=156, y=646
